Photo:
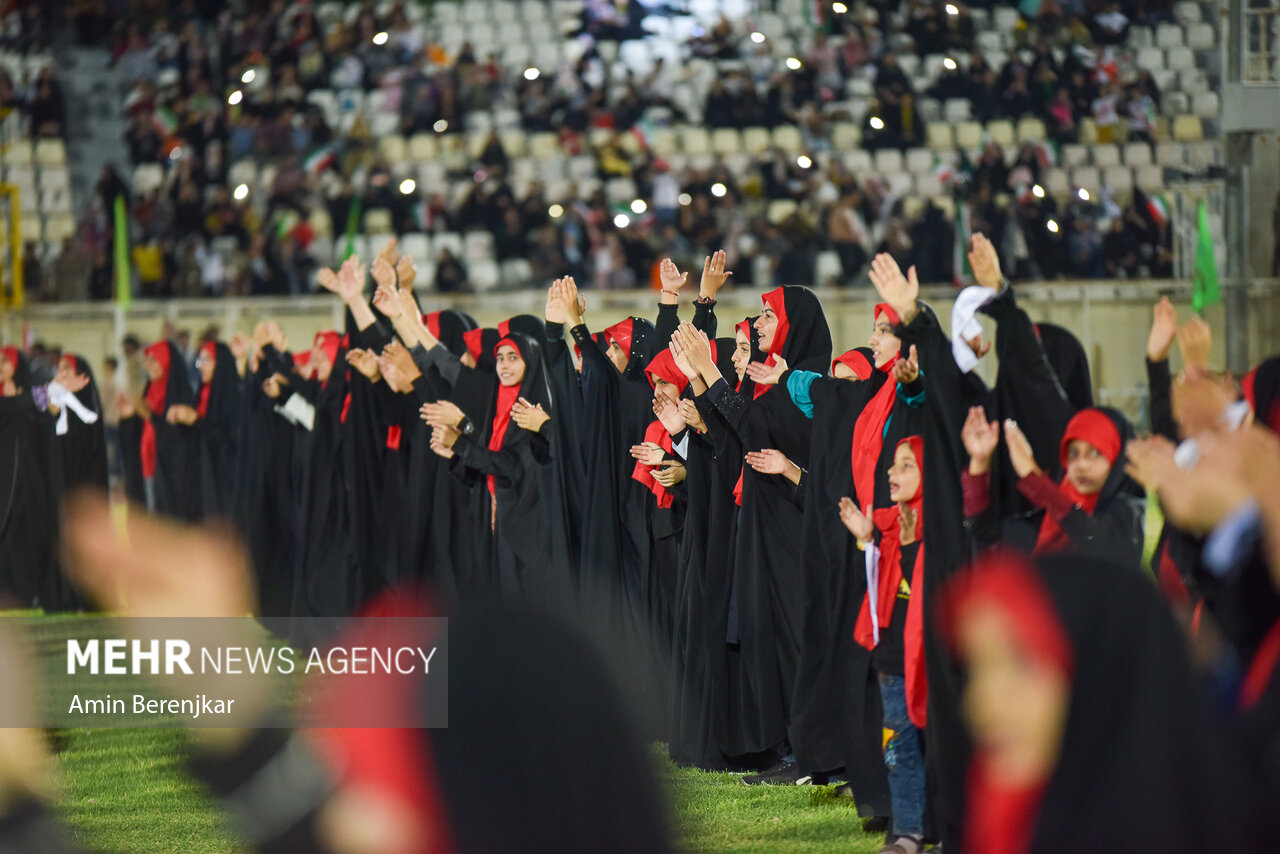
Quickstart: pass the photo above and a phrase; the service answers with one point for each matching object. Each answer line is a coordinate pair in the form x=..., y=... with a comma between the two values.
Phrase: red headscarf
x=888, y=521
x=1002, y=818
x=209, y=350
x=507, y=397
x=393, y=760
x=620, y=332
x=855, y=361
x=155, y=395
x=868, y=432
x=11, y=356
x=432, y=322
x=1094, y=427
x=776, y=301
x=471, y=338
x=663, y=367
x=330, y=342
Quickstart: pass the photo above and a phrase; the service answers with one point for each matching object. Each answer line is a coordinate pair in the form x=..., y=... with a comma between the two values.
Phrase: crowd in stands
x=209, y=90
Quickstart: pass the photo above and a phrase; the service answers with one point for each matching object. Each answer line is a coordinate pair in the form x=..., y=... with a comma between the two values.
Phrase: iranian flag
x=960, y=272
x=319, y=160
x=942, y=170
x=165, y=121
x=1158, y=209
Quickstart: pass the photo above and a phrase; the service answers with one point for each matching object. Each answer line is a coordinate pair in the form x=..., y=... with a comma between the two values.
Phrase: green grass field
x=125, y=792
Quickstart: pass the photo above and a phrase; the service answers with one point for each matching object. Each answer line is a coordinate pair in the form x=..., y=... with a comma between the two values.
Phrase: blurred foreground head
x=540, y=754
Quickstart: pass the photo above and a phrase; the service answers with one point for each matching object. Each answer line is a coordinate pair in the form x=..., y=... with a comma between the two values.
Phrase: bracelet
x=672, y=293
x=705, y=300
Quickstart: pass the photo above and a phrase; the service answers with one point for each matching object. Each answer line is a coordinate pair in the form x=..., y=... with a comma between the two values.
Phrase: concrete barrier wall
x=1110, y=318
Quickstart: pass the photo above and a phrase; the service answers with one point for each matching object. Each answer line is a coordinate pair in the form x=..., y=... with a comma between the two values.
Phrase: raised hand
x=133, y=572
x=388, y=253
x=668, y=414
x=1020, y=453
x=273, y=385
x=762, y=373
x=985, y=263
x=671, y=278
x=1149, y=460
x=770, y=461
x=649, y=453
x=907, y=370
x=692, y=417
x=528, y=416
x=406, y=273
x=443, y=413
x=384, y=275
x=396, y=379
x=858, y=524
x=980, y=438
x=978, y=347
x=1195, y=500
x=396, y=354
x=351, y=280
x=387, y=300
x=682, y=361
x=364, y=361
x=714, y=275
x=1164, y=326
x=554, y=311
x=695, y=347
x=239, y=346
x=1195, y=338
x=569, y=301
x=899, y=291
x=669, y=473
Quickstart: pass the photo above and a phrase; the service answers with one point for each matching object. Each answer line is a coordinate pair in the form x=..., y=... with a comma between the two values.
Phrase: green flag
x=353, y=226
x=1204, y=279
x=124, y=291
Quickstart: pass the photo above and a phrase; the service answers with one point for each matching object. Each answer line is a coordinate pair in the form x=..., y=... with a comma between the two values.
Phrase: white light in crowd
x=949, y=64
x=638, y=206
x=531, y=73
x=952, y=10
x=839, y=8
x=441, y=126
x=621, y=220
x=1037, y=191
x=555, y=211
x=718, y=190
x=803, y=162
x=685, y=200
x=380, y=38
x=793, y=63
x=1052, y=226
x=248, y=75
x=235, y=97
x=758, y=38
x=241, y=192
x=407, y=186
x=1083, y=194
x=876, y=123
x=176, y=154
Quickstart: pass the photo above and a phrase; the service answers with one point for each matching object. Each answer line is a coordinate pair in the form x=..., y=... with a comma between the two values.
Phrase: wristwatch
x=465, y=427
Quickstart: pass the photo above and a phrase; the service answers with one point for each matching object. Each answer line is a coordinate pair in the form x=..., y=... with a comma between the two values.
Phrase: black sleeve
x=29, y=826
x=704, y=317
x=729, y=403
x=665, y=325
x=591, y=354
x=276, y=818
x=504, y=465
x=1115, y=530
x=1160, y=389
x=437, y=357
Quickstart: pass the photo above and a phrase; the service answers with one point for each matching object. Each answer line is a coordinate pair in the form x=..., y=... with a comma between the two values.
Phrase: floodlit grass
x=125, y=791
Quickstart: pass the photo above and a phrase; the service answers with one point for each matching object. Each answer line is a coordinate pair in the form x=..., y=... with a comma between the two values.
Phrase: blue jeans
x=902, y=758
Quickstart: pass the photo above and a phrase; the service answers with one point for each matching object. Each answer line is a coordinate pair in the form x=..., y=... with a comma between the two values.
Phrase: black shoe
x=784, y=773
x=875, y=824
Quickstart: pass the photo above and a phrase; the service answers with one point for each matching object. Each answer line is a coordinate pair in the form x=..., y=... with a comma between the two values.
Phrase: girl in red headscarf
x=889, y=624
x=1095, y=508
x=170, y=449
